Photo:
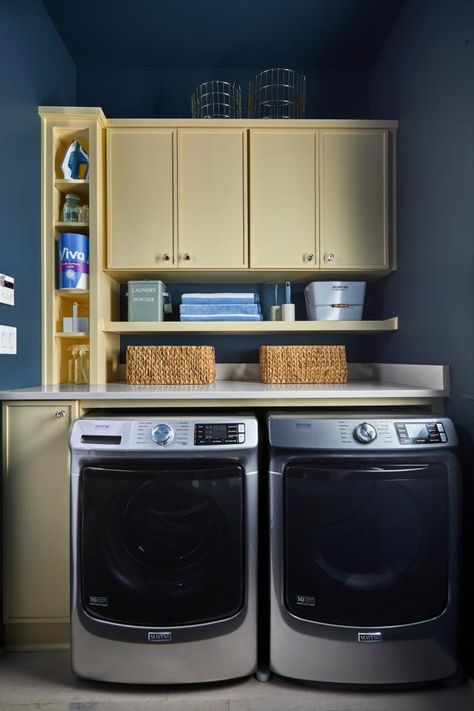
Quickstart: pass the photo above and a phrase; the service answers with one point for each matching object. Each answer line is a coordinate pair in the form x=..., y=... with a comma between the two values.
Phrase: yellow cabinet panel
x=283, y=199
x=212, y=199
x=354, y=199
x=140, y=203
x=36, y=511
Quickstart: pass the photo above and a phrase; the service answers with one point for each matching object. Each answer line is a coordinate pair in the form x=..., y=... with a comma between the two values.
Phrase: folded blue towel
x=203, y=309
x=221, y=297
x=221, y=317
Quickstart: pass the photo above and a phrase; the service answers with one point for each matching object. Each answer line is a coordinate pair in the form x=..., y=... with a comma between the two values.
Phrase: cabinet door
x=140, y=189
x=36, y=511
x=212, y=199
x=283, y=198
x=354, y=199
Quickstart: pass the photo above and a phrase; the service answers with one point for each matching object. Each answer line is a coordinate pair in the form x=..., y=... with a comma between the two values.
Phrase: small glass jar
x=72, y=208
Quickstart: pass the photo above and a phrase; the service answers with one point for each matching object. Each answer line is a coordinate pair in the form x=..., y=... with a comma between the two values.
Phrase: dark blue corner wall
x=166, y=93
x=35, y=70
x=425, y=78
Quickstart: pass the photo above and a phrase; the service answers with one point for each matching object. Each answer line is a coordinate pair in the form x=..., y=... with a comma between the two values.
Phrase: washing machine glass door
x=365, y=545
x=162, y=544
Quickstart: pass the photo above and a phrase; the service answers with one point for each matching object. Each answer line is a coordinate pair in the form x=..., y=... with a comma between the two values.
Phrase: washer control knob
x=162, y=434
x=365, y=433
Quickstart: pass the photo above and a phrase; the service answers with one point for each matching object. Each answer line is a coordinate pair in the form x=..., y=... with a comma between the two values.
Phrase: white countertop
x=365, y=381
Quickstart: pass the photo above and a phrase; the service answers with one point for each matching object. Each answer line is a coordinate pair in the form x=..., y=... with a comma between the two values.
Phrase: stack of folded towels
x=221, y=306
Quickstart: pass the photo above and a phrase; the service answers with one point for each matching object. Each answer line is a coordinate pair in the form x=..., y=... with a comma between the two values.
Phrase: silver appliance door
x=162, y=543
x=365, y=544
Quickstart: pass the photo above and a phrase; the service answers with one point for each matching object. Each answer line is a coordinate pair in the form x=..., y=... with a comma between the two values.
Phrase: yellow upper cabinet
x=212, y=198
x=354, y=199
x=283, y=199
x=140, y=198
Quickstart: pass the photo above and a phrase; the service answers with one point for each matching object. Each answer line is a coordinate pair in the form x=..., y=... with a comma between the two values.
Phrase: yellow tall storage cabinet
x=36, y=522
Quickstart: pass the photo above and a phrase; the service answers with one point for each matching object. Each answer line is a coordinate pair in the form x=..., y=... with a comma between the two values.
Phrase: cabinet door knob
x=187, y=257
x=166, y=257
x=309, y=257
x=329, y=257
x=60, y=414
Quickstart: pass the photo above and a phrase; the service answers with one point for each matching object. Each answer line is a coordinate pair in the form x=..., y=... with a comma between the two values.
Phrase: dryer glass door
x=365, y=545
x=162, y=544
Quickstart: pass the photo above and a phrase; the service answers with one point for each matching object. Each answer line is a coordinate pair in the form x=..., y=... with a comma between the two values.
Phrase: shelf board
x=72, y=186
x=80, y=295
x=248, y=327
x=71, y=335
x=61, y=225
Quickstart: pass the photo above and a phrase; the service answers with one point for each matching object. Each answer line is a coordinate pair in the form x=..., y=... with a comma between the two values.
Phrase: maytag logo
x=341, y=286
x=369, y=637
x=304, y=425
x=159, y=636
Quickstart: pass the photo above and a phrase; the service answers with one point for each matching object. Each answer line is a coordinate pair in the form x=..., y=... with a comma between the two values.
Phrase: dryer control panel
x=355, y=434
x=421, y=432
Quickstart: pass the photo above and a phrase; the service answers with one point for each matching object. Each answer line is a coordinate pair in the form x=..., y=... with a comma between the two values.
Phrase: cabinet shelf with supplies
x=276, y=201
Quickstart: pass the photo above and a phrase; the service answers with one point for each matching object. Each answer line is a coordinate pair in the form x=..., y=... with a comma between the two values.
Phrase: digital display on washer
x=217, y=433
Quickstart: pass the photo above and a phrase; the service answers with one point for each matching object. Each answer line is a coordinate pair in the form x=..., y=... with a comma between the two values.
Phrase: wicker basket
x=170, y=365
x=303, y=364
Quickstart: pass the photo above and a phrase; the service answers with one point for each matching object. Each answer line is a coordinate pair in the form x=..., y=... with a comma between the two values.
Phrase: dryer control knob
x=162, y=434
x=365, y=433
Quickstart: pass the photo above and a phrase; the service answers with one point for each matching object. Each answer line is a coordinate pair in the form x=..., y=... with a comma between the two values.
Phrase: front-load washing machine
x=164, y=548
x=364, y=548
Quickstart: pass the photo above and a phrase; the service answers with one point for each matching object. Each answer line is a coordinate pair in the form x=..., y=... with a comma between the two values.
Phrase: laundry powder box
x=335, y=300
x=147, y=300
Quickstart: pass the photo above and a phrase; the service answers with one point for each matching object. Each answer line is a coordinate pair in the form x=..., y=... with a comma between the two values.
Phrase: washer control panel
x=421, y=432
x=165, y=433
x=212, y=433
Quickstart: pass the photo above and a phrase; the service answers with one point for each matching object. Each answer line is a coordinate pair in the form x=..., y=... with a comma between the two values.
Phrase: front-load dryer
x=164, y=548
x=364, y=549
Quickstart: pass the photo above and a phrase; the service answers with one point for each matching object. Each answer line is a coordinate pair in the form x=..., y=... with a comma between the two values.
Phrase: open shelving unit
x=60, y=126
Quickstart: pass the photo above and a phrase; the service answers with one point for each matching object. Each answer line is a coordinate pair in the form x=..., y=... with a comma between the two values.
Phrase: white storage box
x=335, y=300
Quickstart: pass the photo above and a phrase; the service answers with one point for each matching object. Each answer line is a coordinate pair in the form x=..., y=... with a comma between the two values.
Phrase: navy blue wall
x=166, y=93
x=425, y=78
x=36, y=70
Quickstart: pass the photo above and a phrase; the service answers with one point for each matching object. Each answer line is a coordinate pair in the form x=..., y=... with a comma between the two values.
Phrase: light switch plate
x=7, y=290
x=7, y=340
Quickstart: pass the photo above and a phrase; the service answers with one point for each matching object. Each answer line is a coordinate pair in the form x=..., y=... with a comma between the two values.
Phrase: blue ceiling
x=304, y=34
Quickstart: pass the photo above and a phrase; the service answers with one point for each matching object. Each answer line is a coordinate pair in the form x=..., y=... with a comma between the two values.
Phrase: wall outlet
x=7, y=340
x=7, y=290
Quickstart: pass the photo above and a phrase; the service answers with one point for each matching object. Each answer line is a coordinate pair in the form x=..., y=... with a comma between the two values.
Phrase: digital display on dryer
x=421, y=432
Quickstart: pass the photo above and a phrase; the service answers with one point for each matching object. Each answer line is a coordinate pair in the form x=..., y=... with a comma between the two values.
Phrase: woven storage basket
x=170, y=365
x=303, y=364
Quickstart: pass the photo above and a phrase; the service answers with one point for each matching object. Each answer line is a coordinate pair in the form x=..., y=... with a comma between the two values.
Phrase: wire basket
x=277, y=93
x=217, y=99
